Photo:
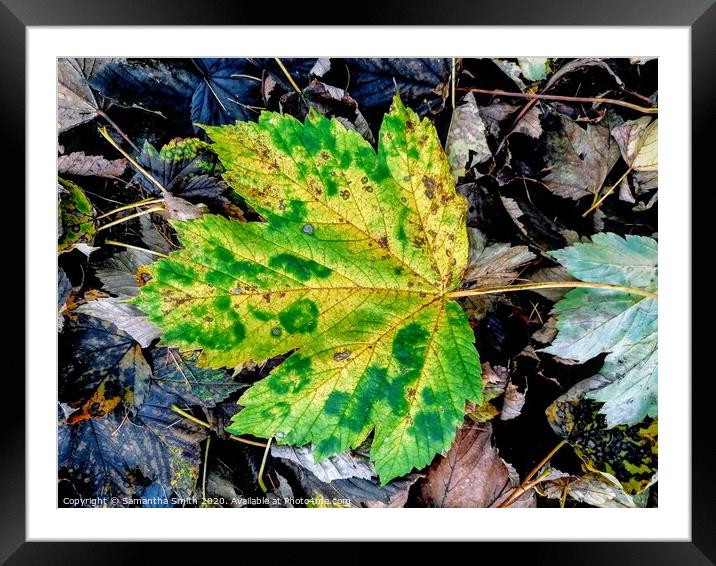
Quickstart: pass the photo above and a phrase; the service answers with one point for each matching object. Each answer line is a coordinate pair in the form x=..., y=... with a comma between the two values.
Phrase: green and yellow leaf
x=351, y=270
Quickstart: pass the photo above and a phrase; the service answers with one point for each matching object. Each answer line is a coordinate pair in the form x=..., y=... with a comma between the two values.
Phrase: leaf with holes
x=624, y=324
x=352, y=269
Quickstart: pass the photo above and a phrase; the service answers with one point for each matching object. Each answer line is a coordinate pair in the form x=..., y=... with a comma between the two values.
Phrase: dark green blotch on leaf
x=300, y=317
x=298, y=267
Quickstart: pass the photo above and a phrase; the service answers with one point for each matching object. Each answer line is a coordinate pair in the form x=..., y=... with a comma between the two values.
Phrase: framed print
x=372, y=282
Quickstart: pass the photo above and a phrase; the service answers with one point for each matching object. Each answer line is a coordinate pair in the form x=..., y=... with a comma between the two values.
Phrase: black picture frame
x=698, y=15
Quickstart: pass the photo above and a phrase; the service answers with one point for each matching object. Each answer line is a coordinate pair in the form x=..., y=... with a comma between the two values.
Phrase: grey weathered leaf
x=466, y=137
x=494, y=264
x=126, y=317
x=579, y=159
x=78, y=163
x=341, y=466
x=64, y=288
x=599, y=489
x=513, y=402
x=118, y=274
x=76, y=103
x=638, y=143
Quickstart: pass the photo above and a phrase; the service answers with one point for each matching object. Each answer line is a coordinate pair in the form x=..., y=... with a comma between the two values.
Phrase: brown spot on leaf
x=340, y=356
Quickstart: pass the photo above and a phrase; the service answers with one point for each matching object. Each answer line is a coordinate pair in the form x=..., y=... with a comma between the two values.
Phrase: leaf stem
x=600, y=200
x=130, y=217
x=262, y=485
x=288, y=76
x=131, y=247
x=642, y=109
x=550, y=285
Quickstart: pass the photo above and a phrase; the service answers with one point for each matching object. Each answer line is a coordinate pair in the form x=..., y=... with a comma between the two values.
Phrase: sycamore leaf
x=78, y=163
x=338, y=467
x=599, y=489
x=127, y=318
x=76, y=103
x=351, y=269
x=629, y=453
x=593, y=321
x=466, y=137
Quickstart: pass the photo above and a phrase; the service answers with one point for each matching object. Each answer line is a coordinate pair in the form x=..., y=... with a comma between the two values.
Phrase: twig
x=206, y=461
x=526, y=483
x=131, y=247
x=193, y=419
x=600, y=200
x=262, y=485
x=137, y=166
x=642, y=109
x=288, y=76
x=130, y=217
x=130, y=206
x=550, y=285
x=118, y=129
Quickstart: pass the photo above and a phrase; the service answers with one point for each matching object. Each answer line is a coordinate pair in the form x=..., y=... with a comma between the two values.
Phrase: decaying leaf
x=466, y=144
x=638, y=143
x=77, y=217
x=118, y=455
x=119, y=274
x=494, y=264
x=592, y=321
x=579, y=159
x=351, y=269
x=76, y=103
x=472, y=474
x=599, y=489
x=125, y=317
x=533, y=68
x=338, y=467
x=629, y=453
x=78, y=163
x=179, y=373
x=100, y=367
x=513, y=402
x=64, y=288
x=494, y=382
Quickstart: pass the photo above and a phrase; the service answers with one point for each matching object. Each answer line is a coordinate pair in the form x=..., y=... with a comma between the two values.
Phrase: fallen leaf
x=472, y=474
x=64, y=288
x=126, y=317
x=579, y=159
x=78, y=163
x=593, y=321
x=513, y=402
x=341, y=466
x=533, y=68
x=638, y=142
x=76, y=103
x=119, y=274
x=466, y=144
x=179, y=374
x=494, y=264
x=77, y=218
x=308, y=281
x=100, y=367
x=598, y=489
x=629, y=453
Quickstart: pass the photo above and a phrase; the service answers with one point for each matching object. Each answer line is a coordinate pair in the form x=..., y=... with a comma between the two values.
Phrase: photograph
x=340, y=282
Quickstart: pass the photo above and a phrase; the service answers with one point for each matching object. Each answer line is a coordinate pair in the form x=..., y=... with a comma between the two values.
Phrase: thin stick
x=193, y=419
x=131, y=247
x=130, y=217
x=130, y=206
x=452, y=83
x=262, y=485
x=600, y=200
x=526, y=484
x=206, y=461
x=289, y=77
x=137, y=166
x=642, y=109
x=247, y=441
x=117, y=129
x=189, y=416
x=550, y=285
